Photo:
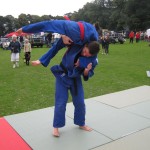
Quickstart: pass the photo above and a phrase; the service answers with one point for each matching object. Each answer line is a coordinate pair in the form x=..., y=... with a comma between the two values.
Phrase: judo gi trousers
x=61, y=98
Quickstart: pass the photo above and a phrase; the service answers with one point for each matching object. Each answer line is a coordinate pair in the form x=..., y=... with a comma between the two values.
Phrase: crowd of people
x=19, y=42
x=105, y=40
x=138, y=36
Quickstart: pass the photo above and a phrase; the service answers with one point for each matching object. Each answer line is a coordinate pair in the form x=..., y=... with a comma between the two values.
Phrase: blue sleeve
x=90, y=74
x=45, y=59
x=94, y=61
x=57, y=26
x=83, y=62
x=65, y=27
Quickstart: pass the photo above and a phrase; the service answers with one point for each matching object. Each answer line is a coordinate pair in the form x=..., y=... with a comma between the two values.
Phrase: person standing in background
x=56, y=37
x=103, y=44
x=48, y=39
x=137, y=37
x=106, y=44
x=131, y=36
x=21, y=41
x=15, y=48
x=27, y=51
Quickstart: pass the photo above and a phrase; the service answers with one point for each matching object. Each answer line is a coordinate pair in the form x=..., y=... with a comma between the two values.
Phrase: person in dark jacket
x=15, y=48
x=106, y=44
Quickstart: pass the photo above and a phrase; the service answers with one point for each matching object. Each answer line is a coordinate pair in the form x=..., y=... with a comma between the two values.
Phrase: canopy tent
x=66, y=17
x=148, y=32
x=15, y=33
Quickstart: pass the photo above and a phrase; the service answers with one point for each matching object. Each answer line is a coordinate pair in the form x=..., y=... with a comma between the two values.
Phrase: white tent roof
x=148, y=32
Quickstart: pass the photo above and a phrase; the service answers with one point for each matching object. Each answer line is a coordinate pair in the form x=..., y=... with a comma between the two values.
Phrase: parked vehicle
x=117, y=38
x=5, y=43
x=121, y=39
x=37, y=41
x=113, y=40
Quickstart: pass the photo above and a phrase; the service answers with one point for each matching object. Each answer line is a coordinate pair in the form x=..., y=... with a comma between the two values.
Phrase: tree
x=118, y=15
x=110, y=14
x=23, y=20
x=2, y=26
x=96, y=11
x=46, y=17
x=11, y=23
x=138, y=13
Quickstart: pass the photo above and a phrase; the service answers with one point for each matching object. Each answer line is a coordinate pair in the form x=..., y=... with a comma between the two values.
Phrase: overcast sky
x=40, y=7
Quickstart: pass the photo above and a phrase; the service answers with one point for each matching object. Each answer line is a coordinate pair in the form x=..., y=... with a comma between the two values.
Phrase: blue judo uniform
x=68, y=77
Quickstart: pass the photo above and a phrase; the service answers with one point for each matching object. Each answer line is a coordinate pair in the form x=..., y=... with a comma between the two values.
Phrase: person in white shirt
x=56, y=37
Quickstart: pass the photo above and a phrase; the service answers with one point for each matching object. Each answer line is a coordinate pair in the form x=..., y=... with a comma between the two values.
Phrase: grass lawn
x=28, y=88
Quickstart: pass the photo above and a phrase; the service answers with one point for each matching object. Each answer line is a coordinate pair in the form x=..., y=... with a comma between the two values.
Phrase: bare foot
x=55, y=132
x=86, y=128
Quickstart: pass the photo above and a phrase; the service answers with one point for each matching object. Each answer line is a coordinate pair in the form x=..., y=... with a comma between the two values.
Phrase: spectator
x=137, y=37
x=56, y=37
x=21, y=41
x=27, y=51
x=15, y=48
x=142, y=36
x=103, y=44
x=52, y=40
x=48, y=39
x=106, y=44
x=131, y=36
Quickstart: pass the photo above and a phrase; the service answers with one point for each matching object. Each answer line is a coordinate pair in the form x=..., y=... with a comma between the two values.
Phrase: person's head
x=26, y=40
x=14, y=37
x=97, y=26
x=102, y=37
x=106, y=37
x=91, y=49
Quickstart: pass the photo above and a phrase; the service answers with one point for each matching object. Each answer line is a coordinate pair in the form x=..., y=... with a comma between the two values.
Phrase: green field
x=28, y=88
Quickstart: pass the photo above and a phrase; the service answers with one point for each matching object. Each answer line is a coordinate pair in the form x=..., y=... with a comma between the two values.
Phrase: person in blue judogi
x=79, y=59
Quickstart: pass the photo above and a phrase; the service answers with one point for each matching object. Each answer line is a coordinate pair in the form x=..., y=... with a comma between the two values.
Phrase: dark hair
x=97, y=26
x=93, y=47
